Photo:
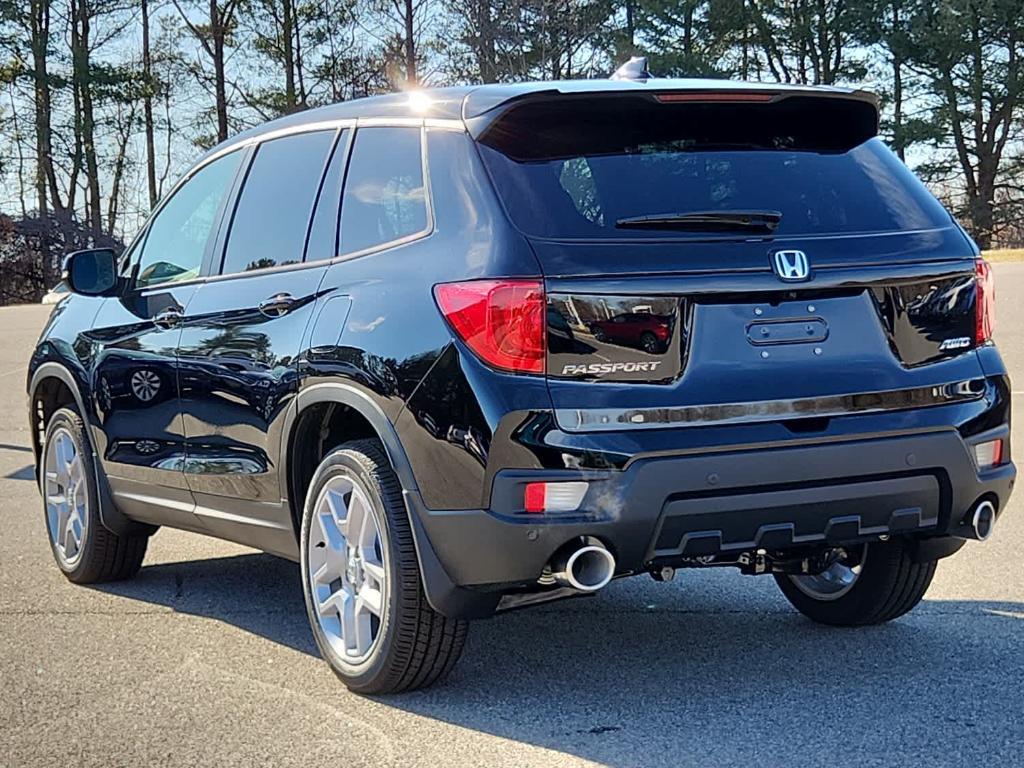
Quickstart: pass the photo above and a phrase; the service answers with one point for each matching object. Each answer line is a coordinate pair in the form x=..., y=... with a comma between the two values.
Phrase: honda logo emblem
x=791, y=266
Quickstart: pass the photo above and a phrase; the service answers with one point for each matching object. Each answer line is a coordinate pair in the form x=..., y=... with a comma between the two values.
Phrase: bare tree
x=85, y=119
x=213, y=35
x=404, y=24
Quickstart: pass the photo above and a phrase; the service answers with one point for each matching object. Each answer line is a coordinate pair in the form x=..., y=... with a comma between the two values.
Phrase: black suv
x=464, y=350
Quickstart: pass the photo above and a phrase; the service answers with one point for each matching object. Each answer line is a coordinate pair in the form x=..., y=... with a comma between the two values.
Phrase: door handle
x=277, y=305
x=168, y=318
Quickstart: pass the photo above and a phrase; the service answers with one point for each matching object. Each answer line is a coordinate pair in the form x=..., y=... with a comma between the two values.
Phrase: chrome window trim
x=216, y=267
x=428, y=198
x=422, y=234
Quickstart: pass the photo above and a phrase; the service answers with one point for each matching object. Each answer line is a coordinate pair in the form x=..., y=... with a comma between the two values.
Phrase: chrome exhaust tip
x=586, y=568
x=983, y=520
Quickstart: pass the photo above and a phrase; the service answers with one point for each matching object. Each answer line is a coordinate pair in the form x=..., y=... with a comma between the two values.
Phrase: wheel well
x=318, y=430
x=50, y=395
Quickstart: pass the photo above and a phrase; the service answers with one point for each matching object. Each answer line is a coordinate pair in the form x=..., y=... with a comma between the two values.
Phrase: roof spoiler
x=484, y=106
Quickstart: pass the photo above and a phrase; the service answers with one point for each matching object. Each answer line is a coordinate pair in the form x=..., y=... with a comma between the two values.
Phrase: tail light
x=554, y=497
x=501, y=321
x=984, y=302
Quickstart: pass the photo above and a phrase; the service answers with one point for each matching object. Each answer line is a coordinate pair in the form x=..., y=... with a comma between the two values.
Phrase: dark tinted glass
x=177, y=238
x=384, y=197
x=323, y=234
x=575, y=173
x=273, y=210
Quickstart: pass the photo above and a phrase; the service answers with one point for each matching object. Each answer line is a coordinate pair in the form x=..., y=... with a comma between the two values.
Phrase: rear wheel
x=85, y=550
x=870, y=584
x=366, y=605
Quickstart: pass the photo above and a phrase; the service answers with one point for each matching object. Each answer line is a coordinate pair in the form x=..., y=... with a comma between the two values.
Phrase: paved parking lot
x=206, y=658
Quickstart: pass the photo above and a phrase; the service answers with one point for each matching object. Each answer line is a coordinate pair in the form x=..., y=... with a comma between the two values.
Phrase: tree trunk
x=484, y=46
x=688, y=36
x=40, y=42
x=125, y=134
x=410, y=44
x=982, y=204
x=300, y=81
x=218, y=31
x=147, y=107
x=630, y=30
x=288, y=54
x=40, y=35
x=81, y=78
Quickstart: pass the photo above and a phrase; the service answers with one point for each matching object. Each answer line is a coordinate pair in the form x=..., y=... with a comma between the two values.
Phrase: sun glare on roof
x=419, y=101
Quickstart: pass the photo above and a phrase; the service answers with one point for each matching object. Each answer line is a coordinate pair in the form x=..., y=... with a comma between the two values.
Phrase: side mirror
x=92, y=272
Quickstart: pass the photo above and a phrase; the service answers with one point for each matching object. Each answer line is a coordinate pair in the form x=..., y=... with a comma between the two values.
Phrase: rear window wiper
x=706, y=221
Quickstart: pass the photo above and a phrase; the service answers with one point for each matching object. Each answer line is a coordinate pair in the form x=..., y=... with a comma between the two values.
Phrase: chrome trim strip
x=609, y=419
x=445, y=124
x=156, y=501
x=231, y=517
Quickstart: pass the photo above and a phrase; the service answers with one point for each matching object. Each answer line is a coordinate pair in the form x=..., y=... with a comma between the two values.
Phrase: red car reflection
x=636, y=329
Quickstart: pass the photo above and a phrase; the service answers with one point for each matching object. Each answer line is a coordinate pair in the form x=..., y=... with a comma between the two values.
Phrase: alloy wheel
x=835, y=581
x=347, y=568
x=67, y=496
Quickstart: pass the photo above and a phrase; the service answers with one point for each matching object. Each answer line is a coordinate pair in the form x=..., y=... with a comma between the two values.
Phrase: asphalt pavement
x=206, y=658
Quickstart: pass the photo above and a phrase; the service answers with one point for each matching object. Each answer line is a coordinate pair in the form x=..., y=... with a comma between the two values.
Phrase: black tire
x=889, y=585
x=416, y=646
x=649, y=342
x=105, y=556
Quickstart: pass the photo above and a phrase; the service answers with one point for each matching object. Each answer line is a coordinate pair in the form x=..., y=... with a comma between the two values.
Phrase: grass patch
x=1005, y=254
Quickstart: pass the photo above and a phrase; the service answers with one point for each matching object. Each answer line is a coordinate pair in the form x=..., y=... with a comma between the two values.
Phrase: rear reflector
x=984, y=302
x=553, y=497
x=501, y=321
x=989, y=454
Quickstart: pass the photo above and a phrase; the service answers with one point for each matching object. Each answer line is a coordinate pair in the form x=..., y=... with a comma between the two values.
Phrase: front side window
x=274, y=207
x=384, y=198
x=179, y=235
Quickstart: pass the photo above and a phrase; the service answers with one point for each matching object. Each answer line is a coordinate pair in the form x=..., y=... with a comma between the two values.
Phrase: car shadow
x=28, y=472
x=712, y=670
x=256, y=592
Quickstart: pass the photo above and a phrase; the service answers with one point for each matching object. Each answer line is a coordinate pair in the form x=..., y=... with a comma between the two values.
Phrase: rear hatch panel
x=893, y=337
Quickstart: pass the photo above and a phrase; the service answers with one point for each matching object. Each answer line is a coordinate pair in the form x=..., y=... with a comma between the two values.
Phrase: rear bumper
x=661, y=509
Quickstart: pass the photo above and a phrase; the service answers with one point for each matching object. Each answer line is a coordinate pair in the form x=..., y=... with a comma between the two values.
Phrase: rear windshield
x=569, y=171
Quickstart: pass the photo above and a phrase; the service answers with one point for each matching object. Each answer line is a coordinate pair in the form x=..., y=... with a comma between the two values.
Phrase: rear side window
x=384, y=199
x=323, y=232
x=578, y=172
x=274, y=207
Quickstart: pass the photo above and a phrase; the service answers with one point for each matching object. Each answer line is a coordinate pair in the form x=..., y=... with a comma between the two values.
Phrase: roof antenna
x=634, y=69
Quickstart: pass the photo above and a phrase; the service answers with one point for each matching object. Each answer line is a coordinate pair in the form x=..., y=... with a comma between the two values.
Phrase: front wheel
x=361, y=580
x=870, y=584
x=84, y=548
